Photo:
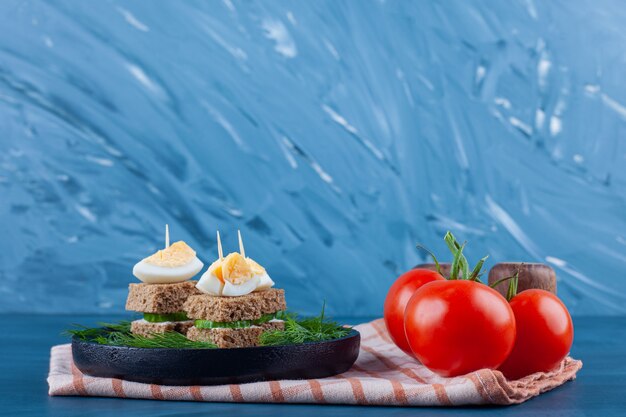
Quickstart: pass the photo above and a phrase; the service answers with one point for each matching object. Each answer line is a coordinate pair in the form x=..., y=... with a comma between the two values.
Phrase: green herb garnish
x=118, y=334
x=157, y=340
x=88, y=334
x=315, y=329
x=297, y=330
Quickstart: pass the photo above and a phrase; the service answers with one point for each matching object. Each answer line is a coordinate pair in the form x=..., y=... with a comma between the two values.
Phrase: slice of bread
x=159, y=298
x=233, y=338
x=145, y=328
x=225, y=309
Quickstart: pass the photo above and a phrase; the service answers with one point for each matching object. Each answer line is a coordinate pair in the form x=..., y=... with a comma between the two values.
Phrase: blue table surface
x=25, y=347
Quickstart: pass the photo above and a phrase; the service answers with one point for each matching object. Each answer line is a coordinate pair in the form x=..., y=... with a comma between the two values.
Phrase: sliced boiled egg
x=235, y=269
x=212, y=281
x=176, y=263
x=233, y=276
x=235, y=290
x=238, y=277
x=265, y=282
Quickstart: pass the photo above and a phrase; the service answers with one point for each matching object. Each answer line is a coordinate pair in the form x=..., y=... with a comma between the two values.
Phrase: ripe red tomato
x=459, y=326
x=398, y=296
x=544, y=334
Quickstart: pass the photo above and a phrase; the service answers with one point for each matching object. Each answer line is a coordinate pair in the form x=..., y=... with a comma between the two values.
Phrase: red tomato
x=459, y=326
x=398, y=296
x=544, y=334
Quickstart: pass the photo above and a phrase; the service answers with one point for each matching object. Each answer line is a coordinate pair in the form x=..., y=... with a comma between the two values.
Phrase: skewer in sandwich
x=164, y=289
x=237, y=304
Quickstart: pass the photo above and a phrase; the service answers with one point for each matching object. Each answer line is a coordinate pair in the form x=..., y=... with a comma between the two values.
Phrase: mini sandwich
x=164, y=289
x=237, y=304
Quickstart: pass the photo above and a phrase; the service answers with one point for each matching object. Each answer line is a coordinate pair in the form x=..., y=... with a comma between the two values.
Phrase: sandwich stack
x=235, y=321
x=238, y=303
x=164, y=289
x=161, y=305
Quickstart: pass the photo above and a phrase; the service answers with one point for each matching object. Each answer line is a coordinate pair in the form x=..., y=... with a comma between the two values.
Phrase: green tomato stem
x=460, y=265
x=432, y=255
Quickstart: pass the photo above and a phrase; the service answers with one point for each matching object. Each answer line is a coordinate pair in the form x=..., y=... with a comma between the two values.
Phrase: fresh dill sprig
x=313, y=329
x=297, y=330
x=157, y=340
x=118, y=334
x=90, y=333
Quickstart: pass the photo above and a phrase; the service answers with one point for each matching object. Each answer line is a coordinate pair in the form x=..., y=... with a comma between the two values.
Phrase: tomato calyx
x=513, y=282
x=432, y=255
x=512, y=290
x=460, y=267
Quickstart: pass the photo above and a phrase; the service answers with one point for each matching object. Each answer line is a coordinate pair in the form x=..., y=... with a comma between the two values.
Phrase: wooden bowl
x=532, y=275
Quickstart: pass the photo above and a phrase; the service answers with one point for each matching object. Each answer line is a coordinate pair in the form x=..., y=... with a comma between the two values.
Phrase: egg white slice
x=247, y=287
x=265, y=282
x=153, y=274
x=210, y=284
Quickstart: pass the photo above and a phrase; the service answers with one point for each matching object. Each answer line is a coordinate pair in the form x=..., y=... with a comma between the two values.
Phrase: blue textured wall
x=334, y=134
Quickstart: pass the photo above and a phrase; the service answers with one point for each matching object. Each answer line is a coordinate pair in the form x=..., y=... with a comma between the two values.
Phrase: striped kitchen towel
x=382, y=375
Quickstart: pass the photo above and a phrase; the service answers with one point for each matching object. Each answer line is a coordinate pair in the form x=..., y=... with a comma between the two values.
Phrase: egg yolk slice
x=235, y=269
x=216, y=269
x=177, y=254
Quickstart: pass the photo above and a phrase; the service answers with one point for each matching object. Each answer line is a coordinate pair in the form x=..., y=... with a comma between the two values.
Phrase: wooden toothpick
x=167, y=236
x=242, y=251
x=219, y=246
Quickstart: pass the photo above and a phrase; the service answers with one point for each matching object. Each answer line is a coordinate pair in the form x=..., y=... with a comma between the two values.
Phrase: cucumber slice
x=208, y=324
x=159, y=318
x=280, y=315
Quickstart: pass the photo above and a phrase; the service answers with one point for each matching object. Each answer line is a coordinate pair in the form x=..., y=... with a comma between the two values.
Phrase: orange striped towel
x=382, y=375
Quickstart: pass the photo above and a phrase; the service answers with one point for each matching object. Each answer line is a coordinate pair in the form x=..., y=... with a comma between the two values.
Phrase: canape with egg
x=164, y=288
x=238, y=303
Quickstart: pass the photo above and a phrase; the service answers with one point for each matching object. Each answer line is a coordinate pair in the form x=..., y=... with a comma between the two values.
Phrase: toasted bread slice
x=159, y=298
x=226, y=309
x=233, y=338
x=146, y=328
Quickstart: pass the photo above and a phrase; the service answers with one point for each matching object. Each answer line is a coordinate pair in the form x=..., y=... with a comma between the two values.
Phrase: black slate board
x=217, y=366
